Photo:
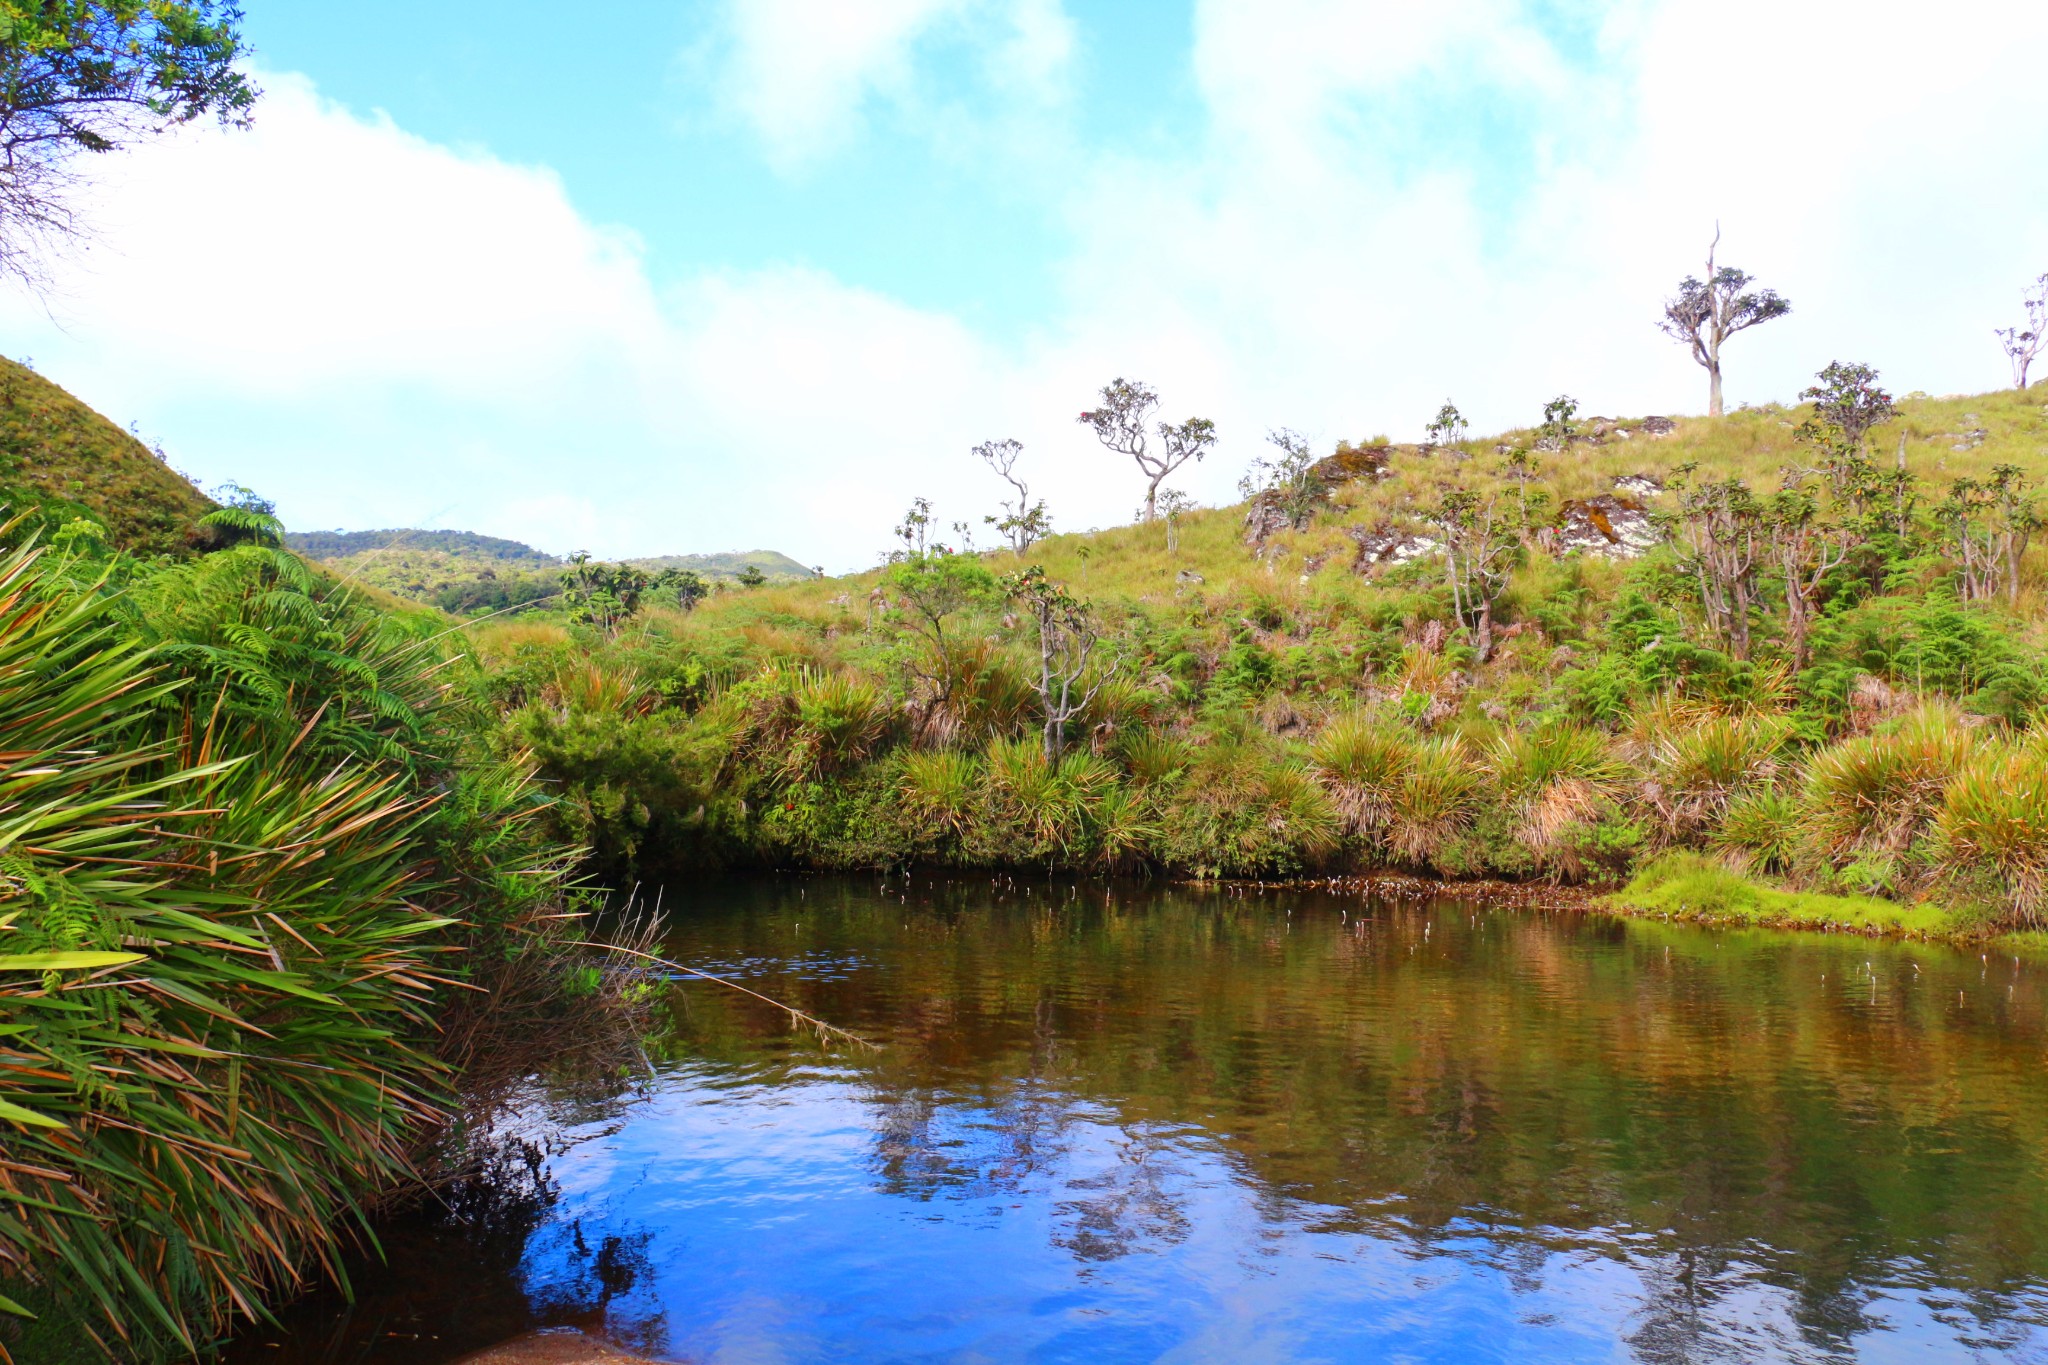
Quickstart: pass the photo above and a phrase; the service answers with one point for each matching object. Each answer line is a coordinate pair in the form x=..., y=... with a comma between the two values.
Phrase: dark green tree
x=1706, y=313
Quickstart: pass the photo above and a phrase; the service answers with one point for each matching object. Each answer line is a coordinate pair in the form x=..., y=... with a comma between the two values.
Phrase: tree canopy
x=96, y=76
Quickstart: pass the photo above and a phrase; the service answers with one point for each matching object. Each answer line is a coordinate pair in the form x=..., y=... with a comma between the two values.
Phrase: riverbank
x=1700, y=890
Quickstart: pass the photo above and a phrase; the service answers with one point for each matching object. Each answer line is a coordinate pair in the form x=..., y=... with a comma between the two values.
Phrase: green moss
x=1687, y=884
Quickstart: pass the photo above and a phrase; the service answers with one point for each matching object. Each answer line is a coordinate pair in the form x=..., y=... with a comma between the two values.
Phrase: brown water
x=1149, y=1124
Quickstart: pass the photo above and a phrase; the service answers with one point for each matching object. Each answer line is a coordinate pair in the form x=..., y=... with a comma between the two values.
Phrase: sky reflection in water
x=1158, y=1125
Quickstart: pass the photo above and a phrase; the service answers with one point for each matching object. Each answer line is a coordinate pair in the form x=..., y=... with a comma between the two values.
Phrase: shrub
x=1994, y=818
x=1701, y=769
x=1559, y=782
x=1870, y=799
x=1361, y=763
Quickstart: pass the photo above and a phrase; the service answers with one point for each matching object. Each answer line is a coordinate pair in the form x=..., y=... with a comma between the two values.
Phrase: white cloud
x=379, y=330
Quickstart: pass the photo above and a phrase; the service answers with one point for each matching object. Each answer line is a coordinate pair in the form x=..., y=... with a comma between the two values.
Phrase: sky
x=673, y=276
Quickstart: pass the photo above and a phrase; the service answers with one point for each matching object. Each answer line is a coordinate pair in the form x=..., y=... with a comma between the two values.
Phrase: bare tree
x=1120, y=423
x=1023, y=522
x=1707, y=312
x=2022, y=344
x=1808, y=545
x=1478, y=552
x=1068, y=636
x=95, y=76
x=1720, y=534
x=1989, y=523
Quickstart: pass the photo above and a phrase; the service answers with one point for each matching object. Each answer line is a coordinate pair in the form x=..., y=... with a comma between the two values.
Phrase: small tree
x=1023, y=522
x=1706, y=313
x=1847, y=403
x=1478, y=553
x=1173, y=505
x=1120, y=422
x=689, y=587
x=1559, y=429
x=1849, y=400
x=1068, y=636
x=603, y=595
x=750, y=576
x=96, y=76
x=1721, y=537
x=1288, y=481
x=2022, y=344
x=1448, y=428
x=932, y=585
x=1521, y=466
x=1807, y=546
x=1989, y=523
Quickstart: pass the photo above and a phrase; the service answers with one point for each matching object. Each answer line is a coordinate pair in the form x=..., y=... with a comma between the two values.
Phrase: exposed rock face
x=1351, y=463
x=1381, y=544
x=1657, y=427
x=1265, y=518
x=1967, y=440
x=1639, y=485
x=1613, y=526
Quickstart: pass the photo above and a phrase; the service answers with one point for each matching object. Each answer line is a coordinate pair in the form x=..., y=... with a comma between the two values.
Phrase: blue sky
x=716, y=274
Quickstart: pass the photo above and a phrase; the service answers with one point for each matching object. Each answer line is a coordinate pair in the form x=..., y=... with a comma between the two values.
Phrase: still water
x=1131, y=1124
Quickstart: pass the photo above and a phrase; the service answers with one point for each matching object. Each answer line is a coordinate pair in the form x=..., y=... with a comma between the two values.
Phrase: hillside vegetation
x=60, y=461
x=467, y=574
x=265, y=894
x=1310, y=684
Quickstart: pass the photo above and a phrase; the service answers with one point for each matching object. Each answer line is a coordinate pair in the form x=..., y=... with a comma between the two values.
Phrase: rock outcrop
x=1382, y=544
x=1611, y=525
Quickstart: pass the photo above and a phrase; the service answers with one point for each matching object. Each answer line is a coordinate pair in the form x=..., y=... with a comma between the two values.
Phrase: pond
x=1113, y=1123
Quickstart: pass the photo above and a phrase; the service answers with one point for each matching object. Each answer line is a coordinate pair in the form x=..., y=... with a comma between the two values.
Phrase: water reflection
x=1164, y=1125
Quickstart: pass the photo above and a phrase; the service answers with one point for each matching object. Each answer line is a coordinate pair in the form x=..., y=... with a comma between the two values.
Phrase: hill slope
x=60, y=460
x=774, y=566
x=326, y=545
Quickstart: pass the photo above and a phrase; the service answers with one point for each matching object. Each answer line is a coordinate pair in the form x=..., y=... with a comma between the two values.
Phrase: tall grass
x=291, y=858
x=1870, y=799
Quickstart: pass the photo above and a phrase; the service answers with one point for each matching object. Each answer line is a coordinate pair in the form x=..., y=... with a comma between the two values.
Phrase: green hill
x=60, y=461
x=326, y=545
x=774, y=567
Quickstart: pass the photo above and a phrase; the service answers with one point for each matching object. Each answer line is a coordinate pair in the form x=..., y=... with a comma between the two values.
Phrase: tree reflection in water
x=1114, y=1123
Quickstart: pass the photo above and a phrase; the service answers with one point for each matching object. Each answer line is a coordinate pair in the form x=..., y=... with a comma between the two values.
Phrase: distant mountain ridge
x=325, y=545
x=470, y=546
x=772, y=564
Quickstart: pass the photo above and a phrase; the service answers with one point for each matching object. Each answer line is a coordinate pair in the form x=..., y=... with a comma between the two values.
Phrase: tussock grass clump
x=1363, y=762
x=1699, y=771
x=1243, y=809
x=1994, y=819
x=1435, y=801
x=1558, y=782
x=1869, y=800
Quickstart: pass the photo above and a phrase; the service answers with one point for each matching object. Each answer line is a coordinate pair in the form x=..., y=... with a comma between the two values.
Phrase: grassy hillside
x=60, y=460
x=469, y=574
x=774, y=566
x=326, y=545
x=1317, y=699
